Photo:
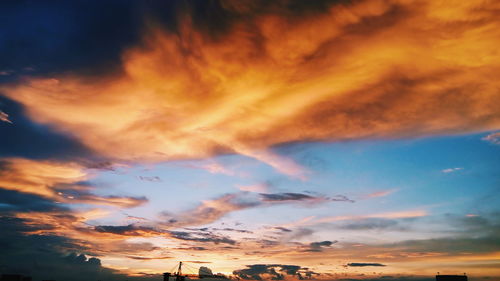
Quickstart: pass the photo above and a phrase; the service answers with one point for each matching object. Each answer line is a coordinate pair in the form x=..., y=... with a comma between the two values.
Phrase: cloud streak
x=5, y=117
x=212, y=210
x=451, y=170
x=493, y=138
x=60, y=182
x=364, y=264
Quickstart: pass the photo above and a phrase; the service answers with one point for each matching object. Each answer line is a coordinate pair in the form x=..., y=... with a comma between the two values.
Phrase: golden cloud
x=61, y=182
x=38, y=177
x=368, y=69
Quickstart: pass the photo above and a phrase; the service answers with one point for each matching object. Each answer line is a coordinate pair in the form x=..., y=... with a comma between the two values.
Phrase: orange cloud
x=57, y=181
x=210, y=210
x=38, y=177
x=377, y=69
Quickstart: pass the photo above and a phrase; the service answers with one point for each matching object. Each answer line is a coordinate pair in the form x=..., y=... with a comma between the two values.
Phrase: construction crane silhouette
x=191, y=273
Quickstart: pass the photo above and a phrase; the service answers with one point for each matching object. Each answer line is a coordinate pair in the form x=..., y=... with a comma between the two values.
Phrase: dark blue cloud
x=288, y=196
x=49, y=256
x=202, y=237
x=14, y=201
x=364, y=264
x=124, y=229
x=89, y=36
x=319, y=246
x=54, y=36
x=277, y=271
x=27, y=139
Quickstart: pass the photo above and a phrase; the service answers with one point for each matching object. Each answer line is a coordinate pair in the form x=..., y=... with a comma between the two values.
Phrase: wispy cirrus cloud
x=451, y=170
x=212, y=210
x=288, y=196
x=312, y=220
x=259, y=188
x=203, y=237
x=150, y=178
x=377, y=194
x=212, y=167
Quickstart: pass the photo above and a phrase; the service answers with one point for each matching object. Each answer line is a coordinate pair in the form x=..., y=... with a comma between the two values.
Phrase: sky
x=264, y=140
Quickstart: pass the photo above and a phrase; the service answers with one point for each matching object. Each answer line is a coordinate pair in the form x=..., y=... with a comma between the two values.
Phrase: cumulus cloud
x=37, y=255
x=378, y=69
x=273, y=272
x=204, y=271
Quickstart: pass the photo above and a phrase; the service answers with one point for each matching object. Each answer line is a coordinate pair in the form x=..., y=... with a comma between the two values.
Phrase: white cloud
x=494, y=138
x=451, y=170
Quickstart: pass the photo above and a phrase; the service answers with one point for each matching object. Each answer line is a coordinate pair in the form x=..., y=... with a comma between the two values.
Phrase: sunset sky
x=284, y=140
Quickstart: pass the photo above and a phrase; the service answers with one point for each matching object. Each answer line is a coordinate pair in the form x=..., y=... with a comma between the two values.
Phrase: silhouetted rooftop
x=451, y=278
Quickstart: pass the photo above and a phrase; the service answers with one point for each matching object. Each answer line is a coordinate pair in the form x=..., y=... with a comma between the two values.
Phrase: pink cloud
x=379, y=193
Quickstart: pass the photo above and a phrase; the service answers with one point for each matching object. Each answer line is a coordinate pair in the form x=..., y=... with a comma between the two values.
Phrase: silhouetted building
x=451, y=277
x=14, y=277
x=166, y=276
